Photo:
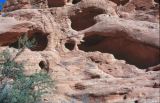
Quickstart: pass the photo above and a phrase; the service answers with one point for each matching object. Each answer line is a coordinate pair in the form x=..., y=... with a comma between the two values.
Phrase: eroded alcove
x=157, y=1
x=84, y=18
x=70, y=45
x=133, y=52
x=41, y=41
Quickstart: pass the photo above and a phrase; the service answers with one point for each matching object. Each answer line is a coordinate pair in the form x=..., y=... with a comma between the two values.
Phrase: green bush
x=9, y=68
x=26, y=89
x=16, y=86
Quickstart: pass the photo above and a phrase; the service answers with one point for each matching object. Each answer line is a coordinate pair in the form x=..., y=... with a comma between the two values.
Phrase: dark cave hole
x=44, y=65
x=41, y=42
x=133, y=52
x=157, y=1
x=70, y=45
x=93, y=40
x=85, y=18
x=76, y=1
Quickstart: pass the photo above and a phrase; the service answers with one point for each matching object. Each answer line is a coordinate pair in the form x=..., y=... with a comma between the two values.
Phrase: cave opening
x=133, y=52
x=70, y=45
x=91, y=41
x=41, y=42
x=44, y=65
x=85, y=18
x=157, y=1
x=76, y=1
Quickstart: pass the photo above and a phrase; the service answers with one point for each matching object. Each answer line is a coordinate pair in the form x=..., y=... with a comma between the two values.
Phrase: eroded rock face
x=11, y=29
x=96, y=50
x=124, y=39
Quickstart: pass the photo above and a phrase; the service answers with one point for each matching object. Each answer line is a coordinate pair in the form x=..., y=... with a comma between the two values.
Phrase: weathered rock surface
x=104, y=51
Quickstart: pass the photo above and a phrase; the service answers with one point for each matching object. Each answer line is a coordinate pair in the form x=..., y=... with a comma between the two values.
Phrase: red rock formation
x=107, y=50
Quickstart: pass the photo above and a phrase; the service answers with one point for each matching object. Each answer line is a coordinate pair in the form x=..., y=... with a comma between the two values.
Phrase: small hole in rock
x=133, y=52
x=95, y=76
x=70, y=45
x=44, y=65
x=136, y=101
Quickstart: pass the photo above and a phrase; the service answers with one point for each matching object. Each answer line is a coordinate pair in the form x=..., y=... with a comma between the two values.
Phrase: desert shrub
x=25, y=89
x=24, y=42
x=9, y=68
x=16, y=87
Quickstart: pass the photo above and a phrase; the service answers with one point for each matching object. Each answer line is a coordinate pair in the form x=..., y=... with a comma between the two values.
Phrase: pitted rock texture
x=100, y=51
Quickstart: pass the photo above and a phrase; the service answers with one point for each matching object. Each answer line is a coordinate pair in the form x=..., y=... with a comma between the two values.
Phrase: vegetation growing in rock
x=15, y=86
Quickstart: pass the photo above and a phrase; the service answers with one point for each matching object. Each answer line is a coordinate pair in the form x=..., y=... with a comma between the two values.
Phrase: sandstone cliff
x=105, y=50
